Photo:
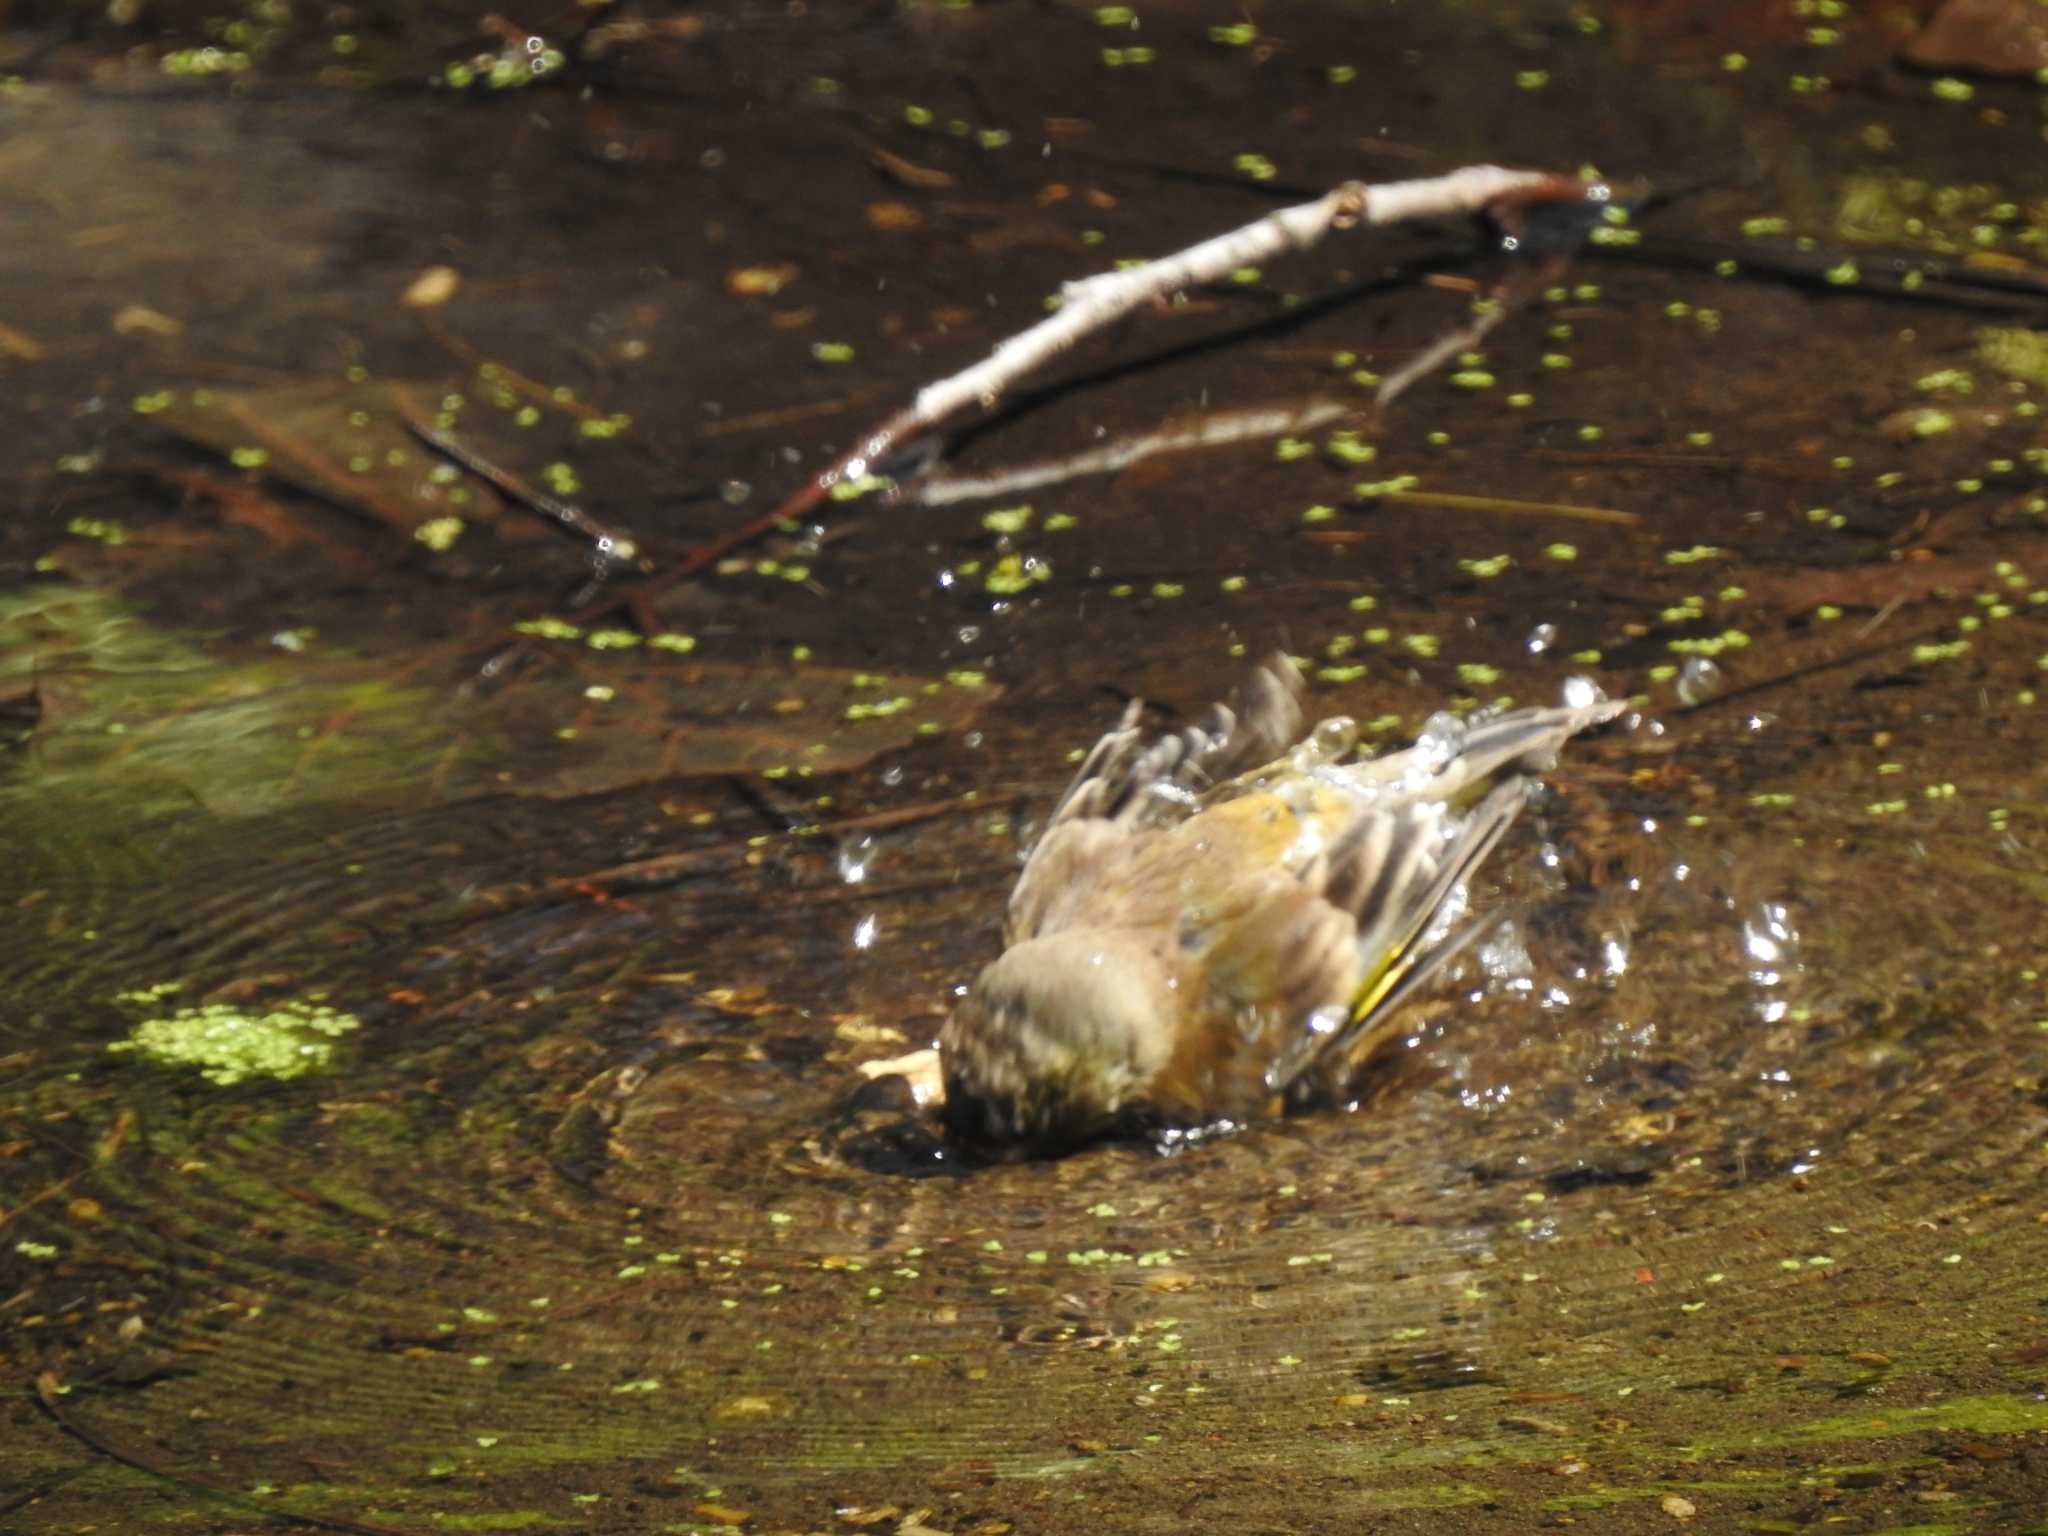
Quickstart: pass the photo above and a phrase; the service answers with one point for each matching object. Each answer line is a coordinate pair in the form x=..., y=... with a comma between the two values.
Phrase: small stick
x=1095, y=302
x=1451, y=502
x=1209, y=431
x=1506, y=298
x=1877, y=619
x=762, y=421
x=49, y=1392
x=1438, y=352
x=606, y=545
x=539, y=393
x=694, y=859
x=607, y=548
x=1808, y=669
x=1099, y=301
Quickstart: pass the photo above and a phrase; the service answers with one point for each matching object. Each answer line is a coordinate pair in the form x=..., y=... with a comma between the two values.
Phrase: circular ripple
x=595, y=1208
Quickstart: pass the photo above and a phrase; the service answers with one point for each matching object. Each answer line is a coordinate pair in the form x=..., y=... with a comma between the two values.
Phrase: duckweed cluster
x=230, y=1045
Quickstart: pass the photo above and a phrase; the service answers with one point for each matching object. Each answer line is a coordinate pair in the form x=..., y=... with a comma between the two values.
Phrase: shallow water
x=1712, y=1186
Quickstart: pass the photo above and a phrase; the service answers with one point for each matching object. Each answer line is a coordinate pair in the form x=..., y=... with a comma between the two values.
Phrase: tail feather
x=1407, y=896
x=1330, y=952
x=1125, y=778
x=1455, y=756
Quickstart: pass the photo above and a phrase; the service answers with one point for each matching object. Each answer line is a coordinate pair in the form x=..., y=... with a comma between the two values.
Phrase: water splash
x=1771, y=944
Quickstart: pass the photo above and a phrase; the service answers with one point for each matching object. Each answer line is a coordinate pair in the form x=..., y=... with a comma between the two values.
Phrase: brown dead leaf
x=1990, y=37
x=908, y=172
x=140, y=320
x=759, y=282
x=169, y=719
x=592, y=720
x=346, y=443
x=247, y=505
x=1873, y=585
x=19, y=344
x=894, y=218
x=432, y=288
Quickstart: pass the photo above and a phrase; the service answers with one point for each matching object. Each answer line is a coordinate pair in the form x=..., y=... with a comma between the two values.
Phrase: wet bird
x=1219, y=923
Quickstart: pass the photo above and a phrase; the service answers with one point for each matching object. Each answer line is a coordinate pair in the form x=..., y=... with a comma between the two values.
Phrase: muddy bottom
x=437, y=993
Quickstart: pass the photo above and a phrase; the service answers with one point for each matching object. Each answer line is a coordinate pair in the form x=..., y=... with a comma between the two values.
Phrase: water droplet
x=1698, y=679
x=1581, y=693
x=854, y=858
x=1443, y=738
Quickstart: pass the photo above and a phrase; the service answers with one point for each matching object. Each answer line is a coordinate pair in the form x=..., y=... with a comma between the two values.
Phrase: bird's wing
x=1128, y=786
x=1393, y=872
x=1259, y=962
x=1062, y=878
x=1133, y=781
x=1274, y=944
x=1455, y=757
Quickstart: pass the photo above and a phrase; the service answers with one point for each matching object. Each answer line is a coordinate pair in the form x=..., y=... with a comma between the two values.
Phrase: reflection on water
x=605, y=1165
x=1711, y=1172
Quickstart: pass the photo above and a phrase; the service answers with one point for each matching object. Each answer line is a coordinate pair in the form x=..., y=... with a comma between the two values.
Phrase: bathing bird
x=1220, y=922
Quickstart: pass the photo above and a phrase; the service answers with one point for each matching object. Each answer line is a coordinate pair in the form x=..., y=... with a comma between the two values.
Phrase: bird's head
x=1059, y=1037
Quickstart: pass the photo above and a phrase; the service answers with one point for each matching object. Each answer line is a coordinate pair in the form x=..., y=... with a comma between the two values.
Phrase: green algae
x=230, y=1045
x=920, y=1430
x=155, y=720
x=1995, y=1413
x=150, y=716
x=2018, y=354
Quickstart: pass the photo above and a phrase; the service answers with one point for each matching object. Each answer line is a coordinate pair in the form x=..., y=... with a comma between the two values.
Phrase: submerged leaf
x=597, y=720
x=118, y=704
x=346, y=443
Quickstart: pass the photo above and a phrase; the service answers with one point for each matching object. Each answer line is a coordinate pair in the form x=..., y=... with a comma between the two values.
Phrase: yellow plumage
x=1194, y=940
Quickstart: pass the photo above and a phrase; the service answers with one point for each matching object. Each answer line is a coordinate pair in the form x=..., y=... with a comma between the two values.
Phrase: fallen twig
x=720, y=855
x=1451, y=502
x=1212, y=430
x=1749, y=690
x=1484, y=318
x=1093, y=303
x=606, y=545
x=498, y=373
x=49, y=1393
